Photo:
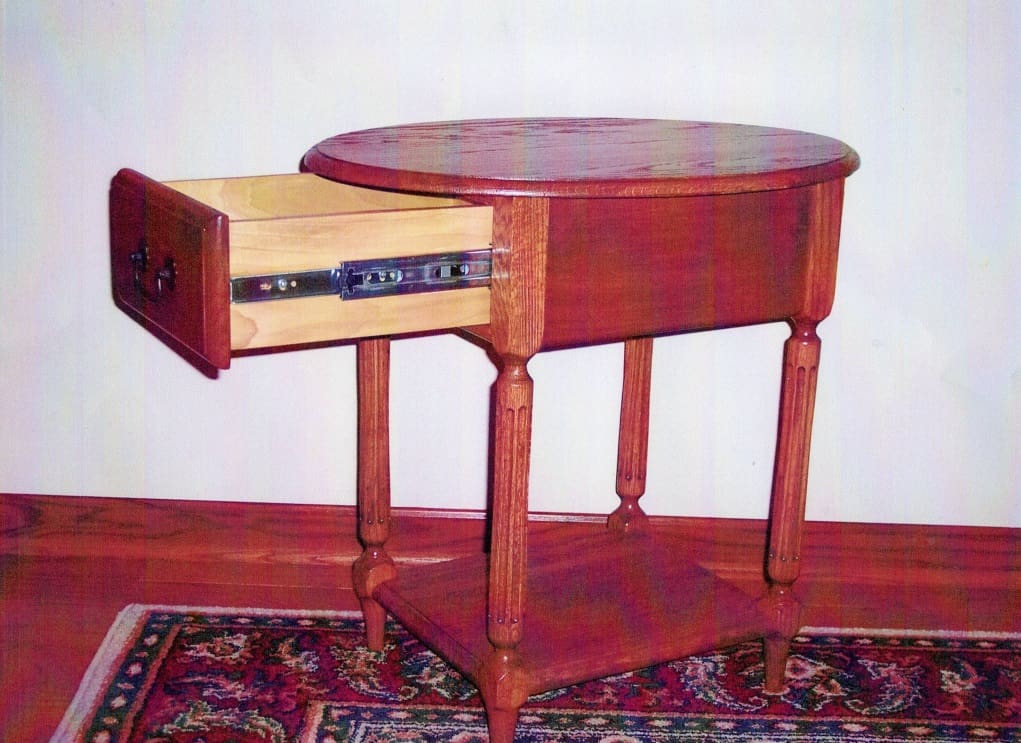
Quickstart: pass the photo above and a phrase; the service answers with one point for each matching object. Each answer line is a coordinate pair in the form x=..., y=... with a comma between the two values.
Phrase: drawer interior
x=297, y=195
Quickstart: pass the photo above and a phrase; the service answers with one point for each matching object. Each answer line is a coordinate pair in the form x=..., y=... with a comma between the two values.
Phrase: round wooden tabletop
x=586, y=158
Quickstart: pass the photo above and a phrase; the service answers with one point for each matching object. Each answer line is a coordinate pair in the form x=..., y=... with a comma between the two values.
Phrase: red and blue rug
x=184, y=675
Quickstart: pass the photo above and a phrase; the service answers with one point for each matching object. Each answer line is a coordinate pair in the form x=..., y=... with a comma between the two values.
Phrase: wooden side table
x=604, y=230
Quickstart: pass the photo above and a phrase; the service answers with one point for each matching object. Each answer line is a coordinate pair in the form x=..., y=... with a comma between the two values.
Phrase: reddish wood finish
x=374, y=566
x=609, y=230
x=519, y=267
x=581, y=157
x=633, y=435
x=69, y=564
x=191, y=312
x=616, y=588
x=673, y=264
x=794, y=434
x=926, y=576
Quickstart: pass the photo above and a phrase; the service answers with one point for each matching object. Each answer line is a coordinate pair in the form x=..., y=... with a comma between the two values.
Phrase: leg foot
x=371, y=569
x=503, y=690
x=375, y=623
x=783, y=620
x=776, y=651
x=502, y=724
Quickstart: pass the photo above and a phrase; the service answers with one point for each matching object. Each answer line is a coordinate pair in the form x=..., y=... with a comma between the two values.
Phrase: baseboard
x=856, y=569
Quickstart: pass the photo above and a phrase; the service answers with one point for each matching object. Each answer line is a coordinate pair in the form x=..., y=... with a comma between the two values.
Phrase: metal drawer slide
x=363, y=279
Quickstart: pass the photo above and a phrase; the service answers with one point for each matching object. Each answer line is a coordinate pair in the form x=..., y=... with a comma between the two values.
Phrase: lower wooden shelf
x=595, y=606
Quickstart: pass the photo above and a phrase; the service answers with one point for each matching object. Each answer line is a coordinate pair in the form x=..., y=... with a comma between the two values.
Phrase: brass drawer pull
x=165, y=277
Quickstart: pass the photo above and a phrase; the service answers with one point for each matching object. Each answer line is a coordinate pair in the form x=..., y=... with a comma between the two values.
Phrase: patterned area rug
x=188, y=675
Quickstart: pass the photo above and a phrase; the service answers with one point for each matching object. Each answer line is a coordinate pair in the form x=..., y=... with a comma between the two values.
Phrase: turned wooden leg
x=374, y=566
x=517, y=295
x=787, y=508
x=633, y=438
x=502, y=682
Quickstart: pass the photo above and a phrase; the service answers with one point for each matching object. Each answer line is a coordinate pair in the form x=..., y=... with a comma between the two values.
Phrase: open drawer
x=221, y=265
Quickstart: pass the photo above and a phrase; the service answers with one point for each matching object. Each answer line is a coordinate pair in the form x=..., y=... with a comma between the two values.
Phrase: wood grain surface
x=68, y=564
x=581, y=157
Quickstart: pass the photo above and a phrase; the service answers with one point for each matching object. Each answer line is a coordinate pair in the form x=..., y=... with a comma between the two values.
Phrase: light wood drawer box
x=201, y=234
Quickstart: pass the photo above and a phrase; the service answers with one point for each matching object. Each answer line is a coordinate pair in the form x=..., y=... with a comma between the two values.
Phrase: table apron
x=621, y=268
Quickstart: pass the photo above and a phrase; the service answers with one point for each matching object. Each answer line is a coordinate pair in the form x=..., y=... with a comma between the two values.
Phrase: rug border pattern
x=132, y=619
x=126, y=625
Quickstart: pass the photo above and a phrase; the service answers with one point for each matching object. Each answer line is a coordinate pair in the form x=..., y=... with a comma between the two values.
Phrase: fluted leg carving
x=633, y=437
x=790, y=477
x=502, y=681
x=517, y=312
x=374, y=566
x=790, y=482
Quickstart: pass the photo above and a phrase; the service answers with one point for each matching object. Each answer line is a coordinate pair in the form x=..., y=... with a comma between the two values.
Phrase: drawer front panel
x=169, y=267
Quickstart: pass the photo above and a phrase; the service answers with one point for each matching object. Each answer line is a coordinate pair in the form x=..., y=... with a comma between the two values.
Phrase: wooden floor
x=68, y=565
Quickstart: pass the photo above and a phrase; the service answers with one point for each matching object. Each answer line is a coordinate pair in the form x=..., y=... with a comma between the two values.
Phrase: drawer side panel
x=296, y=195
x=328, y=318
x=325, y=241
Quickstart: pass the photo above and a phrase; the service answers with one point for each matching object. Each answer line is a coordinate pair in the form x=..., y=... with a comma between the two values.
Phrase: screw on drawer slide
x=370, y=278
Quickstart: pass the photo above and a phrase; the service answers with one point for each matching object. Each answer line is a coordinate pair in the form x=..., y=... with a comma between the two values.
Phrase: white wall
x=919, y=409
